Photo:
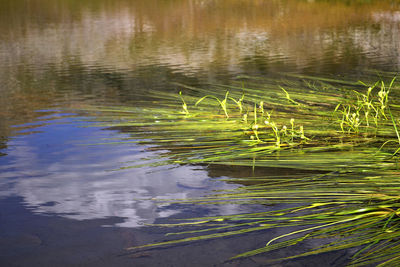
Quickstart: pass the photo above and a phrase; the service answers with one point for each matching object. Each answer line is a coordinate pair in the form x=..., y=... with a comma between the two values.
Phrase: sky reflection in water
x=55, y=172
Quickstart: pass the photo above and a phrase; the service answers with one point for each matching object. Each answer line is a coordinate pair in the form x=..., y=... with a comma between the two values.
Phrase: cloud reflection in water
x=54, y=174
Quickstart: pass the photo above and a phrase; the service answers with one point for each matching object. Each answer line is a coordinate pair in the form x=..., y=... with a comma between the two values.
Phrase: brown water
x=57, y=195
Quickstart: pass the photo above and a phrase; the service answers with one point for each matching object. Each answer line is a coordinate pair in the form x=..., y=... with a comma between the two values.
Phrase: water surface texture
x=62, y=200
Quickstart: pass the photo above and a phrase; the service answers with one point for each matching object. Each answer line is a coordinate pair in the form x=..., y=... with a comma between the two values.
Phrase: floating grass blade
x=288, y=96
x=184, y=105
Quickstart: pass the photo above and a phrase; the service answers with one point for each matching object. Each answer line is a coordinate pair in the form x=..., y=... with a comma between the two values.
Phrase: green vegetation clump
x=365, y=108
x=344, y=132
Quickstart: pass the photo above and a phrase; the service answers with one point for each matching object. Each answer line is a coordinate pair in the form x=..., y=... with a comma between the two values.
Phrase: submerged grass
x=291, y=124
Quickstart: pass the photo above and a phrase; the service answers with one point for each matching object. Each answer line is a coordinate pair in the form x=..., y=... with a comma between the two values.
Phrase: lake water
x=62, y=202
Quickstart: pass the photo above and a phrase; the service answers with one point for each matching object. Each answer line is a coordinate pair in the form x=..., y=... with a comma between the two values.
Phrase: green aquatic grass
x=359, y=211
x=223, y=103
x=237, y=140
x=372, y=108
x=344, y=131
x=184, y=105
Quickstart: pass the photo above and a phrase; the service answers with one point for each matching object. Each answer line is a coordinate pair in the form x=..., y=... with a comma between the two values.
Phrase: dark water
x=60, y=203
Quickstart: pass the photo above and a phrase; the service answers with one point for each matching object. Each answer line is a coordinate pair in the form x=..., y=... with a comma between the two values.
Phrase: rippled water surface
x=62, y=202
